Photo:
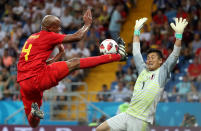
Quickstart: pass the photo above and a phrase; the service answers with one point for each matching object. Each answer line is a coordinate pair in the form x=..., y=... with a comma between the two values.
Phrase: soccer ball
x=108, y=46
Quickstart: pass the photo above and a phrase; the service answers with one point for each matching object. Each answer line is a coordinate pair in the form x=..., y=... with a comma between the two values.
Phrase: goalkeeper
x=150, y=83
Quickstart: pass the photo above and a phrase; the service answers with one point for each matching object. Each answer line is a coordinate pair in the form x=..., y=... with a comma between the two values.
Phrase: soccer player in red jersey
x=35, y=74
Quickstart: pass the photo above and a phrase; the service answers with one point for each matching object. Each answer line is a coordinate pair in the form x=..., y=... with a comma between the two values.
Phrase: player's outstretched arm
x=178, y=27
x=136, y=44
x=170, y=63
x=138, y=25
x=87, y=17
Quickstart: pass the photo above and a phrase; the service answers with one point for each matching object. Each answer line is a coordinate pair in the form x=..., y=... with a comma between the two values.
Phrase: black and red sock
x=33, y=121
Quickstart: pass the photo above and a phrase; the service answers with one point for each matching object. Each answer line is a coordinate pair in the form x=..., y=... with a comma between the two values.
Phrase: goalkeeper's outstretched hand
x=179, y=25
x=139, y=23
x=122, y=50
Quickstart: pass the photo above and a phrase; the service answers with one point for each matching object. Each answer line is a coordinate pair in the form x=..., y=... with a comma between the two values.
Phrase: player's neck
x=44, y=29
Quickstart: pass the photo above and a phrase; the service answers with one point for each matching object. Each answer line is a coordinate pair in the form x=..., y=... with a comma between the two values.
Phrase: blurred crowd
x=21, y=18
x=185, y=82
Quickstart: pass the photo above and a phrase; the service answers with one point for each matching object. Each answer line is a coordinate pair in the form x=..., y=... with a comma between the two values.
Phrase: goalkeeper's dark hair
x=158, y=52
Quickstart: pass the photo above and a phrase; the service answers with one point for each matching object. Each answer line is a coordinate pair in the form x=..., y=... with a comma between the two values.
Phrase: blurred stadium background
x=88, y=97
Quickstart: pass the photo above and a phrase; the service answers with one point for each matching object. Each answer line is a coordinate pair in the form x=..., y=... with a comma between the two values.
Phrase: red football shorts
x=32, y=88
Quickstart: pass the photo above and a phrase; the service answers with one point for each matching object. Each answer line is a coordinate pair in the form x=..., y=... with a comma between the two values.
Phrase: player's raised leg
x=55, y=72
x=88, y=62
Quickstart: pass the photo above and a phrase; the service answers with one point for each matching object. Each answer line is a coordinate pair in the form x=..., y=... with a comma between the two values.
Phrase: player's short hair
x=158, y=52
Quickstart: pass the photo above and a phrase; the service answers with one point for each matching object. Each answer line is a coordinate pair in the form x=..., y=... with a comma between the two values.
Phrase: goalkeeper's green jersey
x=149, y=86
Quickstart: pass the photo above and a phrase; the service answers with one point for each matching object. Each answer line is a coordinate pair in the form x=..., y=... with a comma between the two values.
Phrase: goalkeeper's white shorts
x=126, y=122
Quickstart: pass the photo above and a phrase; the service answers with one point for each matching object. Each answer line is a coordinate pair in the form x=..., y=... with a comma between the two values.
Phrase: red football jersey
x=35, y=52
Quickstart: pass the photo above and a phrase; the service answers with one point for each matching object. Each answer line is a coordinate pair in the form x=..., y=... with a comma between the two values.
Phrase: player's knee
x=73, y=64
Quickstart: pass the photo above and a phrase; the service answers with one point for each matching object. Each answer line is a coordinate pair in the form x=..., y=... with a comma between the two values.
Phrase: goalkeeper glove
x=138, y=25
x=178, y=27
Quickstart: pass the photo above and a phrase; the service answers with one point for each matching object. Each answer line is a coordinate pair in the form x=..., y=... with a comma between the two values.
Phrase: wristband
x=178, y=36
x=137, y=32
